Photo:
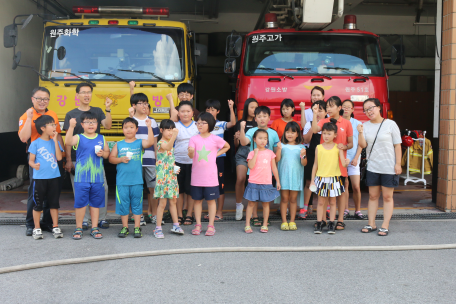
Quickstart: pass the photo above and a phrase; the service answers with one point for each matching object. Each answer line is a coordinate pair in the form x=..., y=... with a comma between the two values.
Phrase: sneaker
x=177, y=230
x=153, y=219
x=318, y=228
x=57, y=232
x=85, y=226
x=37, y=234
x=359, y=215
x=158, y=233
x=331, y=228
x=138, y=233
x=302, y=213
x=142, y=221
x=239, y=212
x=124, y=232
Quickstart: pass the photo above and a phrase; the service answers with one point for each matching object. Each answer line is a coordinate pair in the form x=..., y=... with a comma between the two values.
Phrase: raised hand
x=230, y=104
x=132, y=84
x=131, y=111
x=360, y=128
x=315, y=109
x=108, y=103
x=256, y=150
x=303, y=152
x=243, y=125
x=302, y=104
x=237, y=135
x=169, y=96
x=30, y=113
x=73, y=122
x=175, y=131
x=148, y=123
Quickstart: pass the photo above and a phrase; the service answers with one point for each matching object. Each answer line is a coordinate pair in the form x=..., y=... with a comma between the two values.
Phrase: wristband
x=304, y=156
x=108, y=111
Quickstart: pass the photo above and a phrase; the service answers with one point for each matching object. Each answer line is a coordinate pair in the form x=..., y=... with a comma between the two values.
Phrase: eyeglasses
x=85, y=93
x=370, y=109
x=346, y=108
x=90, y=122
x=39, y=99
x=142, y=104
x=201, y=123
x=51, y=124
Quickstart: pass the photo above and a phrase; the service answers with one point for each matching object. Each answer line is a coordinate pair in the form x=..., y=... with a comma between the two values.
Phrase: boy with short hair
x=213, y=106
x=44, y=154
x=140, y=110
x=262, y=117
x=127, y=154
x=91, y=148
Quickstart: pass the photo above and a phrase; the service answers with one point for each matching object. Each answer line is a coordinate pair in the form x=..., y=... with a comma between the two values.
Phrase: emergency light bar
x=121, y=10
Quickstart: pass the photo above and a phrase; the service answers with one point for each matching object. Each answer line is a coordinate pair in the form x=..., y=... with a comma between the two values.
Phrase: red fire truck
x=278, y=63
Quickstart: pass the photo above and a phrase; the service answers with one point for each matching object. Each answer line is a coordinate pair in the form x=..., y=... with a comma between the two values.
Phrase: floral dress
x=166, y=186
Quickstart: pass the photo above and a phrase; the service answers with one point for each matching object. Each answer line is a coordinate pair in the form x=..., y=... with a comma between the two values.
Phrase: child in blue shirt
x=213, y=106
x=44, y=154
x=90, y=148
x=127, y=154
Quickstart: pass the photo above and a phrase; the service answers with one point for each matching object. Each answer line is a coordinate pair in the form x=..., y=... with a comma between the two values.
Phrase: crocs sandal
x=264, y=229
x=284, y=227
x=384, y=230
x=210, y=232
x=85, y=226
x=197, y=231
x=77, y=231
x=103, y=224
x=340, y=224
x=189, y=219
x=292, y=226
x=369, y=229
x=248, y=229
x=95, y=233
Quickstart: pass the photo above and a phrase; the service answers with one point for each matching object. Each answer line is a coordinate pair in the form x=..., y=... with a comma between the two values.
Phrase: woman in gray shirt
x=384, y=162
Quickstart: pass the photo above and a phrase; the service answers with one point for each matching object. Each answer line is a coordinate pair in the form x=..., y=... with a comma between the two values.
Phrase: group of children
x=189, y=164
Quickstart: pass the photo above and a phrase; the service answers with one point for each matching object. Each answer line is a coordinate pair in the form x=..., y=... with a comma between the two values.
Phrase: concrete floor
x=413, y=198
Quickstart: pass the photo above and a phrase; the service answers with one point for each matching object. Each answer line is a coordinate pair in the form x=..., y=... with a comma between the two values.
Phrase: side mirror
x=16, y=60
x=10, y=36
x=397, y=54
x=233, y=46
x=61, y=53
x=230, y=65
x=201, y=54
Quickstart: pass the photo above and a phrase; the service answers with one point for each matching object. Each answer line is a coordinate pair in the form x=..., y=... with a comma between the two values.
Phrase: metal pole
x=438, y=49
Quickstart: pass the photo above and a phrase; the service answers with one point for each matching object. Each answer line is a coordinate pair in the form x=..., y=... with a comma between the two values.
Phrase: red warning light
x=85, y=9
x=156, y=11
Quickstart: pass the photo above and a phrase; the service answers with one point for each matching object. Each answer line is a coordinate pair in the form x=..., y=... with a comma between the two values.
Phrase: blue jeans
x=46, y=220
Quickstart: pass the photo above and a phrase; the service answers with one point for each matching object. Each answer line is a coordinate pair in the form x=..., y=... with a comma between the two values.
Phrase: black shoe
x=124, y=232
x=29, y=231
x=331, y=228
x=318, y=228
x=45, y=227
x=323, y=224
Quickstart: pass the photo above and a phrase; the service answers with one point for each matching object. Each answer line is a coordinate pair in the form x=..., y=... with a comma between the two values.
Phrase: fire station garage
x=409, y=65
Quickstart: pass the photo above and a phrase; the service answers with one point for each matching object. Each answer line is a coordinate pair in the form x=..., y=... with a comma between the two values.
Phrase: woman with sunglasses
x=383, y=141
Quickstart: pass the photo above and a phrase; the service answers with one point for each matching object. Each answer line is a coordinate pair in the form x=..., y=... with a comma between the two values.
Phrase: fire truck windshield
x=110, y=49
x=313, y=53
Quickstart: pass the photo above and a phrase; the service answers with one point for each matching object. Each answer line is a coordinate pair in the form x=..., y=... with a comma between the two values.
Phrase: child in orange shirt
x=287, y=109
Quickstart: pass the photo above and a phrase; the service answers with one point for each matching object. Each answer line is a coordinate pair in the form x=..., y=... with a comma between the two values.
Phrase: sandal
x=340, y=224
x=197, y=231
x=384, y=230
x=292, y=226
x=284, y=227
x=255, y=221
x=95, y=233
x=359, y=215
x=189, y=220
x=264, y=229
x=85, y=226
x=248, y=229
x=346, y=213
x=210, y=232
x=77, y=231
x=368, y=228
x=310, y=210
x=184, y=213
x=103, y=224
x=180, y=220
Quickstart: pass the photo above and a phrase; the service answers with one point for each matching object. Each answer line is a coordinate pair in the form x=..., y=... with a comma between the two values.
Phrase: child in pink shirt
x=204, y=149
x=261, y=162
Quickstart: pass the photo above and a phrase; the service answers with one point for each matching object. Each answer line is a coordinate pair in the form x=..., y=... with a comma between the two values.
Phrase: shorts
x=379, y=179
x=207, y=193
x=241, y=156
x=260, y=193
x=220, y=161
x=353, y=170
x=92, y=194
x=184, y=178
x=48, y=189
x=330, y=186
x=129, y=196
x=149, y=176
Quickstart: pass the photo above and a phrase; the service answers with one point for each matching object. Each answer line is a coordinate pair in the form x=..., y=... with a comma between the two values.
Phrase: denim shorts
x=260, y=193
x=385, y=180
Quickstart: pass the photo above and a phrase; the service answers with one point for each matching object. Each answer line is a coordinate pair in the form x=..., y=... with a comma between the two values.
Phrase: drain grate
x=415, y=216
